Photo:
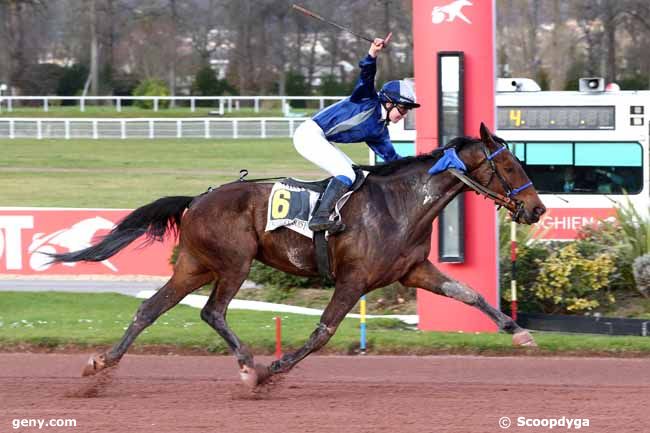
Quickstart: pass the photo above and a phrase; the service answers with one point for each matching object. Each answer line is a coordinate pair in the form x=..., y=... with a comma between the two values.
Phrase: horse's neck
x=419, y=196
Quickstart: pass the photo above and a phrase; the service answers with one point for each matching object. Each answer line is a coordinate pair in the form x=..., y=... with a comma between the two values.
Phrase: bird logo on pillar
x=451, y=11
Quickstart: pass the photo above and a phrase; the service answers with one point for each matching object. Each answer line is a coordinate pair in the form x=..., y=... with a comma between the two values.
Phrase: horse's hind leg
x=428, y=277
x=188, y=276
x=344, y=298
x=214, y=313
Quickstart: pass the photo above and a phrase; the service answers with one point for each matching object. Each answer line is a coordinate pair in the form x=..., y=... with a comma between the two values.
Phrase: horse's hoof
x=524, y=339
x=254, y=376
x=95, y=364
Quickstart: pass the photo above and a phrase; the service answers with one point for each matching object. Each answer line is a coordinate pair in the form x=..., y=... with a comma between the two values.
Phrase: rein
x=514, y=206
x=508, y=201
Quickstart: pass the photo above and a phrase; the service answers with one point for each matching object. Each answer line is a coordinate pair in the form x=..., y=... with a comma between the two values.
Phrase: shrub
x=609, y=237
x=206, y=83
x=72, y=82
x=635, y=228
x=151, y=87
x=527, y=270
x=641, y=269
x=333, y=86
x=297, y=85
x=570, y=281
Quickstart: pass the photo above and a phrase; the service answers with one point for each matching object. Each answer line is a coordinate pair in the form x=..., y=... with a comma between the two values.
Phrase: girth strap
x=322, y=256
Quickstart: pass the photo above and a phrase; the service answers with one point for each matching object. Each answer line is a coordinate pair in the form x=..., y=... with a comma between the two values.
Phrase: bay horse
x=223, y=231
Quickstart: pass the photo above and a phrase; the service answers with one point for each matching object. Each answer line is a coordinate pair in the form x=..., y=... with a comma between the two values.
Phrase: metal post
x=278, y=337
x=192, y=105
x=362, y=325
x=513, y=268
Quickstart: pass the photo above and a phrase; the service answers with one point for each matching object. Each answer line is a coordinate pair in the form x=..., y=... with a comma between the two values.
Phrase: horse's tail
x=154, y=219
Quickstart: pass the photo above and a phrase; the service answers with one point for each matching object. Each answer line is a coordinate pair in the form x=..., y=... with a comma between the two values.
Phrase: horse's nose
x=539, y=211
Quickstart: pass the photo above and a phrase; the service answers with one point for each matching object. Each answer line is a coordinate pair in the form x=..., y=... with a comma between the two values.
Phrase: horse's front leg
x=428, y=277
x=344, y=298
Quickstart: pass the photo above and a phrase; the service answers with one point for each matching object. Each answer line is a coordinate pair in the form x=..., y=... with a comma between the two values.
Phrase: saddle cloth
x=292, y=202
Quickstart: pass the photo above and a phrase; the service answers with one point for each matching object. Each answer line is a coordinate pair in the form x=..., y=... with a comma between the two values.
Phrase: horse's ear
x=486, y=134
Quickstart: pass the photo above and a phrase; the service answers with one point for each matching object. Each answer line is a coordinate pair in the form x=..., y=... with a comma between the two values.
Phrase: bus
x=585, y=151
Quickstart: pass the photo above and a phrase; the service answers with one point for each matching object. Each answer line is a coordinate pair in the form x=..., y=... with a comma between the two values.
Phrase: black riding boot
x=320, y=220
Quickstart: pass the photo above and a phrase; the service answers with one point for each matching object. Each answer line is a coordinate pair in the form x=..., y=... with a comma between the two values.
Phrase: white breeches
x=309, y=140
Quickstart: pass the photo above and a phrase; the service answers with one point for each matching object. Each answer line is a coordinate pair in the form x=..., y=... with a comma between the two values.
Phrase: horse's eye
x=509, y=170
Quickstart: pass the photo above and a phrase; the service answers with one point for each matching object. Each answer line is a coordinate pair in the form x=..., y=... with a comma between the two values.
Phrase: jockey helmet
x=399, y=92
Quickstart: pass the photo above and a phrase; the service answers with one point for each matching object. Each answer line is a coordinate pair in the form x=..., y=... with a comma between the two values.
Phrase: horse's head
x=494, y=167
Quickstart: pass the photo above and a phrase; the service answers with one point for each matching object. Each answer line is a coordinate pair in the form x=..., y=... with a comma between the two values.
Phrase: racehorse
x=222, y=231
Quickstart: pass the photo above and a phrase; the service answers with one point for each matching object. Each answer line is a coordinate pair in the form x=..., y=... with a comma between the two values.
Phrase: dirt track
x=329, y=394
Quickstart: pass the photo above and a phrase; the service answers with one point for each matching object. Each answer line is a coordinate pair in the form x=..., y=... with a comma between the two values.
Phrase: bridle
x=516, y=207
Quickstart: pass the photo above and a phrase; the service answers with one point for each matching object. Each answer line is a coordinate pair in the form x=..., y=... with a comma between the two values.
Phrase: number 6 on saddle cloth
x=292, y=202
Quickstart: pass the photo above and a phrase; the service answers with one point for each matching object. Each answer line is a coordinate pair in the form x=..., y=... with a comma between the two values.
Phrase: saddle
x=293, y=201
x=320, y=185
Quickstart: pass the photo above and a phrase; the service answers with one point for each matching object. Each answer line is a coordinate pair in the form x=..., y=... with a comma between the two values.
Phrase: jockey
x=354, y=119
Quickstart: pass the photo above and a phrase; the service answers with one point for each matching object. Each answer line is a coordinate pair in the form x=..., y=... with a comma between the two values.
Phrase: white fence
x=221, y=103
x=193, y=127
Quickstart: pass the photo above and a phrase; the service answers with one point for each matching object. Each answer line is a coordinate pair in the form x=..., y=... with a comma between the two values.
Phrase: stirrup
x=333, y=227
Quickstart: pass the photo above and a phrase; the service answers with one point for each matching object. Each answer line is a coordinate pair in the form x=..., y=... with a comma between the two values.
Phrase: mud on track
x=461, y=394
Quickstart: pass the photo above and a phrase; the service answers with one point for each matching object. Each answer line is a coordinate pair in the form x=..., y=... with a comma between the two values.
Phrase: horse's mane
x=391, y=167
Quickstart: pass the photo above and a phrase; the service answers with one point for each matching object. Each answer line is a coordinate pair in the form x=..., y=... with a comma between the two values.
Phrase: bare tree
x=20, y=33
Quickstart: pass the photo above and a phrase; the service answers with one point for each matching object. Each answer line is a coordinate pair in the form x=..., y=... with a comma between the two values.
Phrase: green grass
x=130, y=173
x=103, y=111
x=62, y=319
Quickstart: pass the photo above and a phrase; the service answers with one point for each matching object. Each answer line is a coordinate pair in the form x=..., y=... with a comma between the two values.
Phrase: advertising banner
x=566, y=223
x=27, y=235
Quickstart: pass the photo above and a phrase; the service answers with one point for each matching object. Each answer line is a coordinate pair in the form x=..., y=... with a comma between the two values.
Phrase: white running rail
x=152, y=128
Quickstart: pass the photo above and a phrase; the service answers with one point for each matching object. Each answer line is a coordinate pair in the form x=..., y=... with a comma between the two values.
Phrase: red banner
x=27, y=233
x=565, y=223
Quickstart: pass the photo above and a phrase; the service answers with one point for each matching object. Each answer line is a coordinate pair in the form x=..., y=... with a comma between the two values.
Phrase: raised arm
x=365, y=87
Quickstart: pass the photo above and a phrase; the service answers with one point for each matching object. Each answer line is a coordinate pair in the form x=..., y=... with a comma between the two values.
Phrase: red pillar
x=467, y=26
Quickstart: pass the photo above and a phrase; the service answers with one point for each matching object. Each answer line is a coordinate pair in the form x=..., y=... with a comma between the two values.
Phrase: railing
x=224, y=103
x=193, y=127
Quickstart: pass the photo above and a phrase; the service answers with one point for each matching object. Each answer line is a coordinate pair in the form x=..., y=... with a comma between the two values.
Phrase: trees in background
x=259, y=46
x=568, y=40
